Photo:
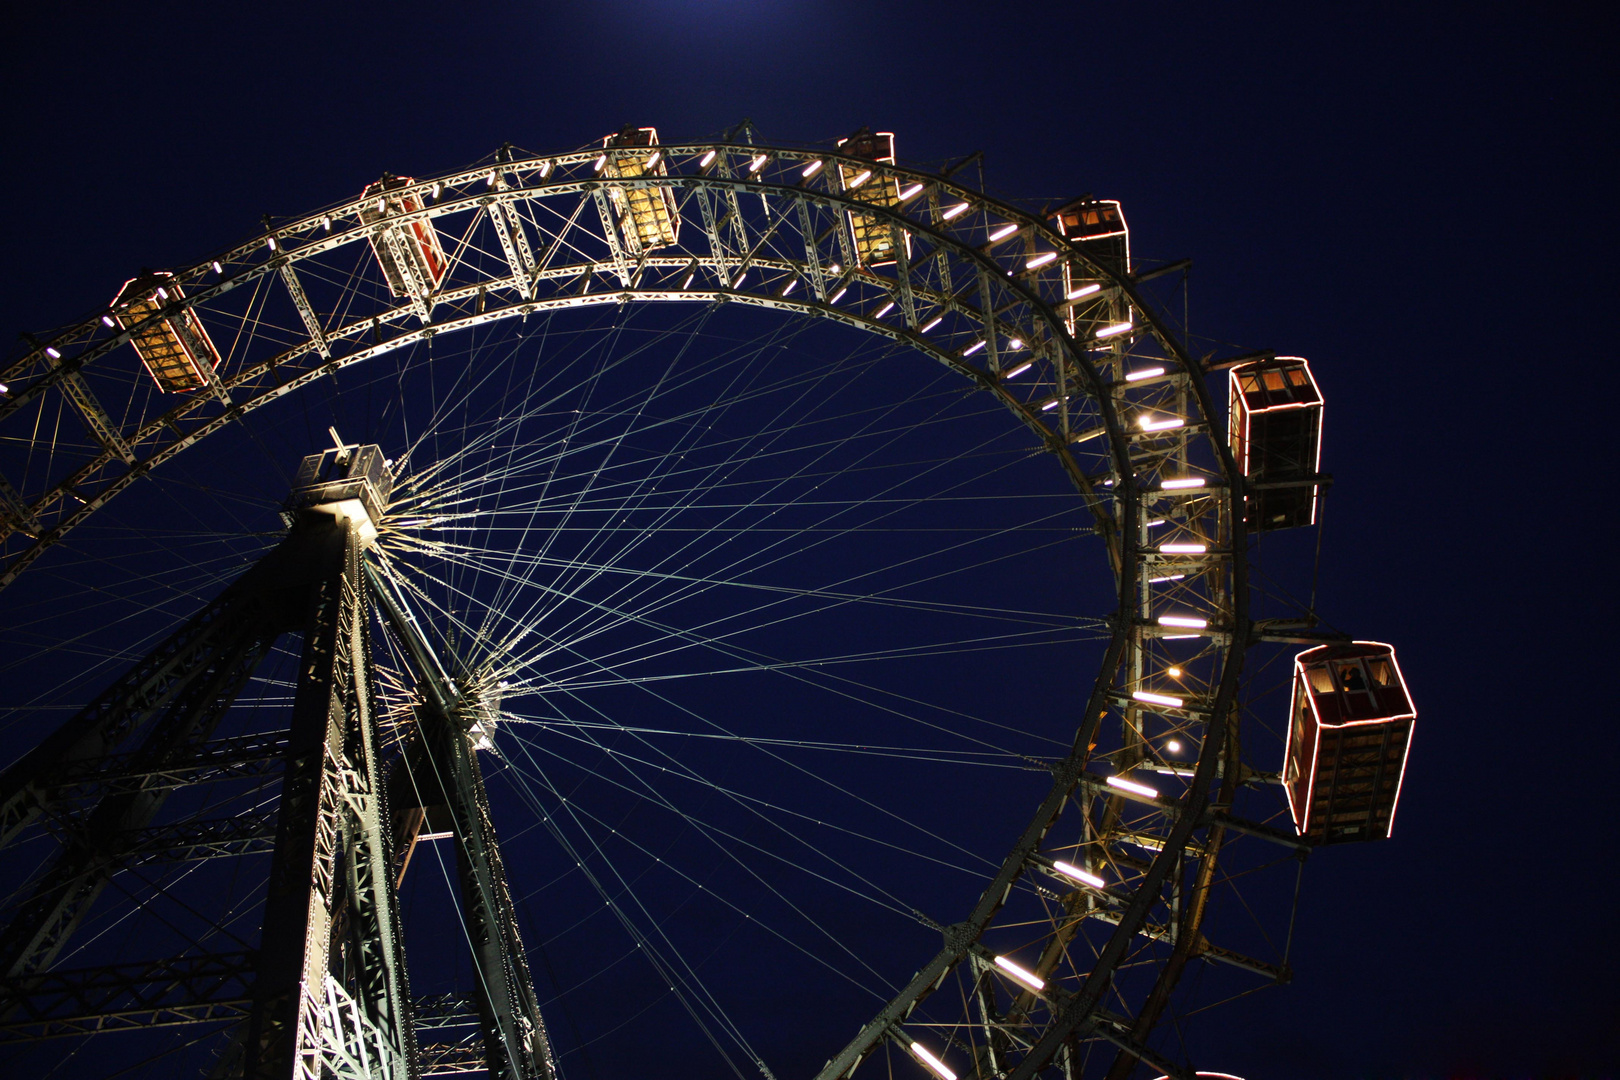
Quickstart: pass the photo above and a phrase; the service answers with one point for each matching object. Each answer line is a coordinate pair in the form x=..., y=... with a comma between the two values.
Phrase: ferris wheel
x=730, y=500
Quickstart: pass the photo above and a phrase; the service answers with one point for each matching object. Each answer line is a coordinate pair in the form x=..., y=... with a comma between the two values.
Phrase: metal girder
x=711, y=229
x=516, y=1046
x=196, y=989
x=1117, y=1031
x=451, y=1059
x=203, y=988
x=210, y=838
x=95, y=417
x=330, y=805
x=514, y=245
x=140, y=694
x=222, y=759
x=438, y=1011
x=113, y=833
x=610, y=232
x=18, y=516
x=306, y=313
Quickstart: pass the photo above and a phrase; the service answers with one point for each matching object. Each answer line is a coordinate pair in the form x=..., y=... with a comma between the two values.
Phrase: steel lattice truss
x=1070, y=347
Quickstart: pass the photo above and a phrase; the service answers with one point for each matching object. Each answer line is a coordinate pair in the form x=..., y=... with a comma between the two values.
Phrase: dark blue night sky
x=1418, y=198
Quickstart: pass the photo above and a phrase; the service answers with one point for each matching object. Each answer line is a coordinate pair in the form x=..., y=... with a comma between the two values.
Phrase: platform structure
x=326, y=991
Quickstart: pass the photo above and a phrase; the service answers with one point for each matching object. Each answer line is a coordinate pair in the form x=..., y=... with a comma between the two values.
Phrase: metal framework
x=991, y=291
x=325, y=994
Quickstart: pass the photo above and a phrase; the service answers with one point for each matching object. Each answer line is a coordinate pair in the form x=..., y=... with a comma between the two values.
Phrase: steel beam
x=306, y=313
x=516, y=1046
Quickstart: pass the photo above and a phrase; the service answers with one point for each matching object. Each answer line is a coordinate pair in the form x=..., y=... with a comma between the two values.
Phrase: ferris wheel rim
x=1127, y=569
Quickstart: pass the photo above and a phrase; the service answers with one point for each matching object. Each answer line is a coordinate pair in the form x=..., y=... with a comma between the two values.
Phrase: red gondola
x=1276, y=426
x=1348, y=742
x=411, y=258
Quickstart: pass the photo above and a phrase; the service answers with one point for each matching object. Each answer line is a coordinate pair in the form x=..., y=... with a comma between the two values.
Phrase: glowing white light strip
x=163, y=292
x=1183, y=549
x=973, y=348
x=1154, y=522
x=1170, y=577
x=1188, y=482
x=270, y=242
x=704, y=164
x=217, y=268
x=1085, y=290
x=932, y=1062
x=759, y=162
x=1192, y=622
x=108, y=320
x=4, y=389
x=1145, y=373
x=545, y=169
x=652, y=161
x=1015, y=343
x=1023, y=975
x=738, y=283
x=1019, y=370
x=1157, y=699
x=911, y=192
x=839, y=295
x=794, y=284
x=1040, y=260
x=599, y=162
x=812, y=168
x=1133, y=786
x=1070, y=870
x=860, y=178
x=955, y=212
x=935, y=322
x=1050, y=405
x=884, y=310
x=1004, y=232
x=52, y=352
x=1113, y=331
x=1162, y=425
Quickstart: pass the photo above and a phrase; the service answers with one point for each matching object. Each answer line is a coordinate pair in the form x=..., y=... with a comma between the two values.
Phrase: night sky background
x=1418, y=198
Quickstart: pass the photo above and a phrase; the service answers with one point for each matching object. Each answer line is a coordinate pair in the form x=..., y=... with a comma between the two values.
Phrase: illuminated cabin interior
x=1097, y=227
x=412, y=259
x=1276, y=426
x=647, y=216
x=1348, y=740
x=175, y=349
x=873, y=236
